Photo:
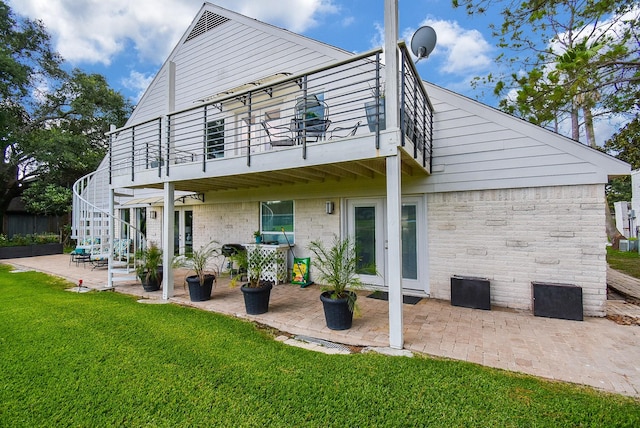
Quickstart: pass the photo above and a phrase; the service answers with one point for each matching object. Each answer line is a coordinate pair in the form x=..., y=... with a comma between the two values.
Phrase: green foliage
x=564, y=59
x=337, y=268
x=624, y=261
x=148, y=260
x=199, y=260
x=18, y=240
x=47, y=199
x=253, y=263
x=52, y=137
x=625, y=144
x=618, y=189
x=101, y=359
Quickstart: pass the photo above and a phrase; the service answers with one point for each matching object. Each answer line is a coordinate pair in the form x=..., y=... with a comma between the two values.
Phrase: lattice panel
x=276, y=269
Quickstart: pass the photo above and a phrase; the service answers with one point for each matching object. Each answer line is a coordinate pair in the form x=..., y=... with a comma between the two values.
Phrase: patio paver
x=595, y=352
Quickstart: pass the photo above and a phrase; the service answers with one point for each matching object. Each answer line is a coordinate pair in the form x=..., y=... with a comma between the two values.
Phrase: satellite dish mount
x=423, y=42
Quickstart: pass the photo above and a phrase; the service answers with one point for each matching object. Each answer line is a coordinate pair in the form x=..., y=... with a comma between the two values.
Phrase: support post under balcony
x=394, y=207
x=168, y=223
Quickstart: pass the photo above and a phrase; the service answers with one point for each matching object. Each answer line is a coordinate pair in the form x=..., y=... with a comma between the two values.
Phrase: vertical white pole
x=168, y=222
x=168, y=218
x=112, y=234
x=394, y=251
x=392, y=67
x=394, y=188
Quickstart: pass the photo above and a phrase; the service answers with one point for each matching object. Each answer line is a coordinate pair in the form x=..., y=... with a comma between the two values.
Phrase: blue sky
x=127, y=41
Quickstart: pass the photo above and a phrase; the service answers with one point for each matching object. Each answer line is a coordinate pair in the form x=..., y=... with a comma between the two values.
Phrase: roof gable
x=222, y=49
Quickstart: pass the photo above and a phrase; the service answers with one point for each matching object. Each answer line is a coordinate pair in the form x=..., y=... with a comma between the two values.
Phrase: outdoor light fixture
x=153, y=215
x=329, y=207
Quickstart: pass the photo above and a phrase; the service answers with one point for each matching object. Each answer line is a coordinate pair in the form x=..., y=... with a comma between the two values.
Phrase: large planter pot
x=152, y=284
x=197, y=292
x=370, y=109
x=256, y=299
x=30, y=251
x=336, y=312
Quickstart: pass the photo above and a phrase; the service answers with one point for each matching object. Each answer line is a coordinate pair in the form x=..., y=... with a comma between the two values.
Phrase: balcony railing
x=341, y=100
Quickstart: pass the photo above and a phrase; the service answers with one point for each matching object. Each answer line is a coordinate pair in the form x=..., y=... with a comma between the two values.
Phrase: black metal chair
x=279, y=135
x=344, y=131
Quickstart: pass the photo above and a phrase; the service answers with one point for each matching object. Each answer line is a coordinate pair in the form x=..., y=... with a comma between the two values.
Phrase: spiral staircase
x=111, y=241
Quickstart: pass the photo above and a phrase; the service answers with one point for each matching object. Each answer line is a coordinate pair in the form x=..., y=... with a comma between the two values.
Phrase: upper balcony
x=327, y=122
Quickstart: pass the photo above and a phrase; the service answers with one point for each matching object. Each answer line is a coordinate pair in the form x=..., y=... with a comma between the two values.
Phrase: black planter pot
x=256, y=299
x=152, y=284
x=336, y=312
x=197, y=292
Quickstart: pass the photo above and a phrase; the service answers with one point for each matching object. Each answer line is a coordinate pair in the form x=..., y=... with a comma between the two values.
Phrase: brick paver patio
x=595, y=352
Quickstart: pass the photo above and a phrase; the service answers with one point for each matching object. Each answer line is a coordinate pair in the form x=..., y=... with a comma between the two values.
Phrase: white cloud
x=294, y=15
x=462, y=51
x=138, y=83
x=94, y=31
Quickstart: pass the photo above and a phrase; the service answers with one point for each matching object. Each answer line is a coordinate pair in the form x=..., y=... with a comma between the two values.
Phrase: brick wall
x=515, y=236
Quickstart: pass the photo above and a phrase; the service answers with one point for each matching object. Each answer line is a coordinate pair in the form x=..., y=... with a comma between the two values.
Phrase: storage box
x=554, y=300
x=470, y=292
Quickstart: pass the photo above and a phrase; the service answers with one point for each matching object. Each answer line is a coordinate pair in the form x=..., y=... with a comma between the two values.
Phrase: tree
x=53, y=135
x=48, y=199
x=575, y=59
x=571, y=58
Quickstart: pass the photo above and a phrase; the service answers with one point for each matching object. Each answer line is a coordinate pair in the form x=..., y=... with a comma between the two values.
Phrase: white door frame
x=419, y=286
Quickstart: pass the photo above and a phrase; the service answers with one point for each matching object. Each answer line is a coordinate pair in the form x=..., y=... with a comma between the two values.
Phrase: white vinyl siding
x=477, y=147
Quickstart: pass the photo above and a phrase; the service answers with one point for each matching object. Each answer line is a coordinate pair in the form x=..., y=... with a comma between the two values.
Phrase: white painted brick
x=516, y=236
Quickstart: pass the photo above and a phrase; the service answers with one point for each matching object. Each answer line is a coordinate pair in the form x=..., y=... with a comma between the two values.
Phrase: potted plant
x=202, y=283
x=258, y=236
x=148, y=267
x=375, y=109
x=337, y=271
x=256, y=291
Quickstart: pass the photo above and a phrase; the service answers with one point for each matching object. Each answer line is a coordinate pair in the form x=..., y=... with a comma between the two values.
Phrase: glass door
x=365, y=225
x=183, y=232
x=414, y=261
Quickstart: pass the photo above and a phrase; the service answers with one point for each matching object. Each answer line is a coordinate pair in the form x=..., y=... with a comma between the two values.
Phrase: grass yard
x=101, y=359
x=624, y=261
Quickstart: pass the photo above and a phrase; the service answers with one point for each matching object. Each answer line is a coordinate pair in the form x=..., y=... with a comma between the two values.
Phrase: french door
x=366, y=223
x=183, y=232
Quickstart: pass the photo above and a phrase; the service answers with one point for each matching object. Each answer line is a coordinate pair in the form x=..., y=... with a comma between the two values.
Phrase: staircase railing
x=111, y=240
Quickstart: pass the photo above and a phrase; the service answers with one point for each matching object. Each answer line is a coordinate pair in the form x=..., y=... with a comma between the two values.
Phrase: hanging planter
x=372, y=117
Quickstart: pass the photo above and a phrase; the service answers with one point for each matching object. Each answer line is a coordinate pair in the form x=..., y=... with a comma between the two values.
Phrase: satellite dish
x=423, y=41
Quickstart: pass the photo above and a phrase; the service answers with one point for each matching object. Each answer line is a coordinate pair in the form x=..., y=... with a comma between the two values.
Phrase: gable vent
x=207, y=21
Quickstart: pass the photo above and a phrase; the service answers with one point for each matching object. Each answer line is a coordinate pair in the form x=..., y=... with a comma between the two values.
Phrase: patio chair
x=344, y=131
x=311, y=118
x=279, y=135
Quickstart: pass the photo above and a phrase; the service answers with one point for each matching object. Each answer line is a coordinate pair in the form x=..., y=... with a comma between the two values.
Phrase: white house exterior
x=459, y=187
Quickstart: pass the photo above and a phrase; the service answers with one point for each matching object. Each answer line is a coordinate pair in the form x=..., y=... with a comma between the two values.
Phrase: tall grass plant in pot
x=203, y=282
x=149, y=267
x=336, y=269
x=256, y=291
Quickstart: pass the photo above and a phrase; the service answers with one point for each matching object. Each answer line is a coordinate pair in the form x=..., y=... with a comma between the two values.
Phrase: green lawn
x=101, y=359
x=624, y=261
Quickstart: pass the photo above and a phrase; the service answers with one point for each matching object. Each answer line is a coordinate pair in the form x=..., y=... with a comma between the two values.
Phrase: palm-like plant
x=337, y=268
x=148, y=261
x=198, y=260
x=253, y=264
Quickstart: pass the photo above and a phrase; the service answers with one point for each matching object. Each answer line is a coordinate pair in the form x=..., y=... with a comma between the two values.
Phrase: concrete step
x=124, y=278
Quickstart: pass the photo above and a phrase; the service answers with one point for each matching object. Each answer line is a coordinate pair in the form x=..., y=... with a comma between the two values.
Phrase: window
x=215, y=139
x=274, y=217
